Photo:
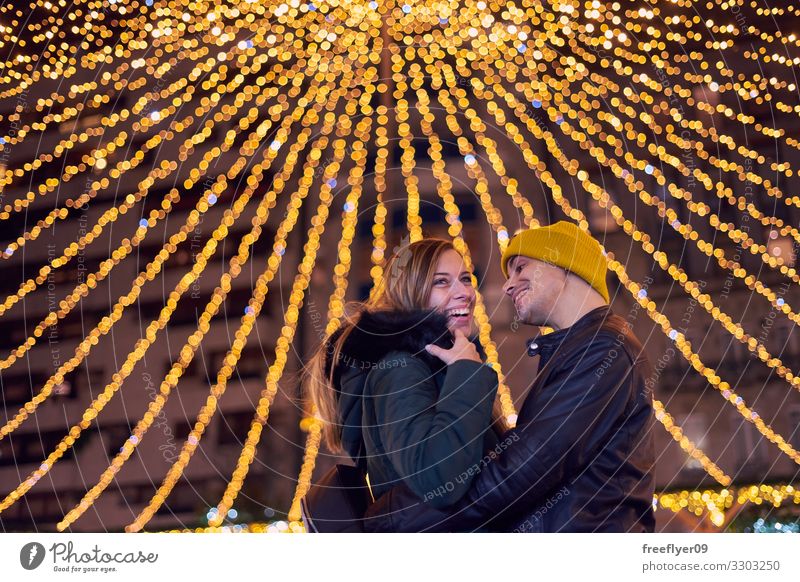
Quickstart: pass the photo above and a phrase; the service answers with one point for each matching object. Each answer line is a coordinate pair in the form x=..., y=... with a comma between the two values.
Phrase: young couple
x=409, y=398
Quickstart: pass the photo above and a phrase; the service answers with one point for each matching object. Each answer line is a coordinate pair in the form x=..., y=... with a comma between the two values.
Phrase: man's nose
x=508, y=287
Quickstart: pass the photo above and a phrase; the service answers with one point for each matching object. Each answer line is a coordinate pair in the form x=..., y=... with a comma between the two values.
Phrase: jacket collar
x=545, y=345
x=376, y=333
x=373, y=335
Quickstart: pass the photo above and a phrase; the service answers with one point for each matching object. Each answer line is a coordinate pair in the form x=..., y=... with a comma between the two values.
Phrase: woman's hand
x=462, y=349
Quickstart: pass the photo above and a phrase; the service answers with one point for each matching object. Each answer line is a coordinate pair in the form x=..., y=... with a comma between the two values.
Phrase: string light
x=291, y=317
x=716, y=502
x=335, y=312
x=559, y=58
x=691, y=287
x=188, y=351
x=109, y=216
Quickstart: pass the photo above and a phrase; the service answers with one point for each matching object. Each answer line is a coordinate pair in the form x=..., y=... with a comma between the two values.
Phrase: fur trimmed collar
x=376, y=333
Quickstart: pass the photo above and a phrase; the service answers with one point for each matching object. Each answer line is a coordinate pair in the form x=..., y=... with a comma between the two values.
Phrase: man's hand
x=462, y=349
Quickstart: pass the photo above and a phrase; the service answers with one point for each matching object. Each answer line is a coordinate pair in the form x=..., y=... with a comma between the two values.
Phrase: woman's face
x=452, y=292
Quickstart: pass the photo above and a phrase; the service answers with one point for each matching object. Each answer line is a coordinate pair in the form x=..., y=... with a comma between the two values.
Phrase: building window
x=253, y=362
x=30, y=448
x=182, y=428
x=38, y=507
x=19, y=388
x=234, y=426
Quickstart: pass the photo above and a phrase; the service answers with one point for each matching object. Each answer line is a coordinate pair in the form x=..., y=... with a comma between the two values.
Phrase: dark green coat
x=408, y=417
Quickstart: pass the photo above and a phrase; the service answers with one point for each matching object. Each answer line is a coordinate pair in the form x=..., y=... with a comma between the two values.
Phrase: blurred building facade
x=706, y=418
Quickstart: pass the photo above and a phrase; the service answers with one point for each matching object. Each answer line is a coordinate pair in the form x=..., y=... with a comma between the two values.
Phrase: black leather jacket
x=581, y=456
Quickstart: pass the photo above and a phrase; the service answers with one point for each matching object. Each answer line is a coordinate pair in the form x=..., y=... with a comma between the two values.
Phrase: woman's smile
x=452, y=292
x=460, y=316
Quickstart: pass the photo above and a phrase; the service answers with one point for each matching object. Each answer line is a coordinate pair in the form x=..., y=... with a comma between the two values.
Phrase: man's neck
x=576, y=302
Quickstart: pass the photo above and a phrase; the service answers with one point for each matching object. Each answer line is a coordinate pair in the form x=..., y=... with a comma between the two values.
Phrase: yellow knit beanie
x=564, y=245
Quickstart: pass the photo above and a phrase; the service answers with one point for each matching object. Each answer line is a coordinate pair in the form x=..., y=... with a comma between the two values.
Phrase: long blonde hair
x=406, y=285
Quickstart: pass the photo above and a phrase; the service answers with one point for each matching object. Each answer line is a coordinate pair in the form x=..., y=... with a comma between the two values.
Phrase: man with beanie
x=581, y=456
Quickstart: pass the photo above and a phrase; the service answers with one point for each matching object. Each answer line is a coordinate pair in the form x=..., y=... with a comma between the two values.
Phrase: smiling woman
x=452, y=291
x=400, y=387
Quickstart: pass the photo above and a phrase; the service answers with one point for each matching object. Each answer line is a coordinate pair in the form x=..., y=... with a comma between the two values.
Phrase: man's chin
x=526, y=317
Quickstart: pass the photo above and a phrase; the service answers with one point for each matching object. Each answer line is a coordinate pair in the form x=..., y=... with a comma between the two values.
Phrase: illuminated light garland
x=735, y=329
x=163, y=69
x=142, y=345
x=56, y=28
x=675, y=89
x=407, y=161
x=743, y=91
x=716, y=502
x=149, y=33
x=680, y=193
x=444, y=189
x=472, y=164
x=684, y=229
x=688, y=446
x=148, y=274
x=691, y=288
x=248, y=321
x=188, y=351
x=130, y=200
x=689, y=234
x=127, y=246
x=521, y=45
x=313, y=442
x=120, y=83
x=378, y=255
x=87, y=411
x=722, y=164
x=313, y=425
x=141, y=126
x=275, y=527
x=489, y=145
x=91, y=159
x=335, y=312
x=220, y=294
x=64, y=66
x=602, y=81
x=725, y=165
x=176, y=470
x=660, y=414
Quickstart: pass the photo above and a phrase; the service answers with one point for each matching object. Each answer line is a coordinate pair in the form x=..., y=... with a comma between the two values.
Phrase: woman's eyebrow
x=445, y=274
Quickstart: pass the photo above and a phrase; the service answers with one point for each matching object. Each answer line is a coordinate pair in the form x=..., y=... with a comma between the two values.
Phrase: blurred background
x=191, y=191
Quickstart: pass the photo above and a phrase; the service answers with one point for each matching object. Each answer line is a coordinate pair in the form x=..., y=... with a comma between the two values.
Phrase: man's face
x=534, y=287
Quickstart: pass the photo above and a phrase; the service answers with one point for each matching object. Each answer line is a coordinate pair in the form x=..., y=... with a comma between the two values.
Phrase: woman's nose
x=460, y=289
